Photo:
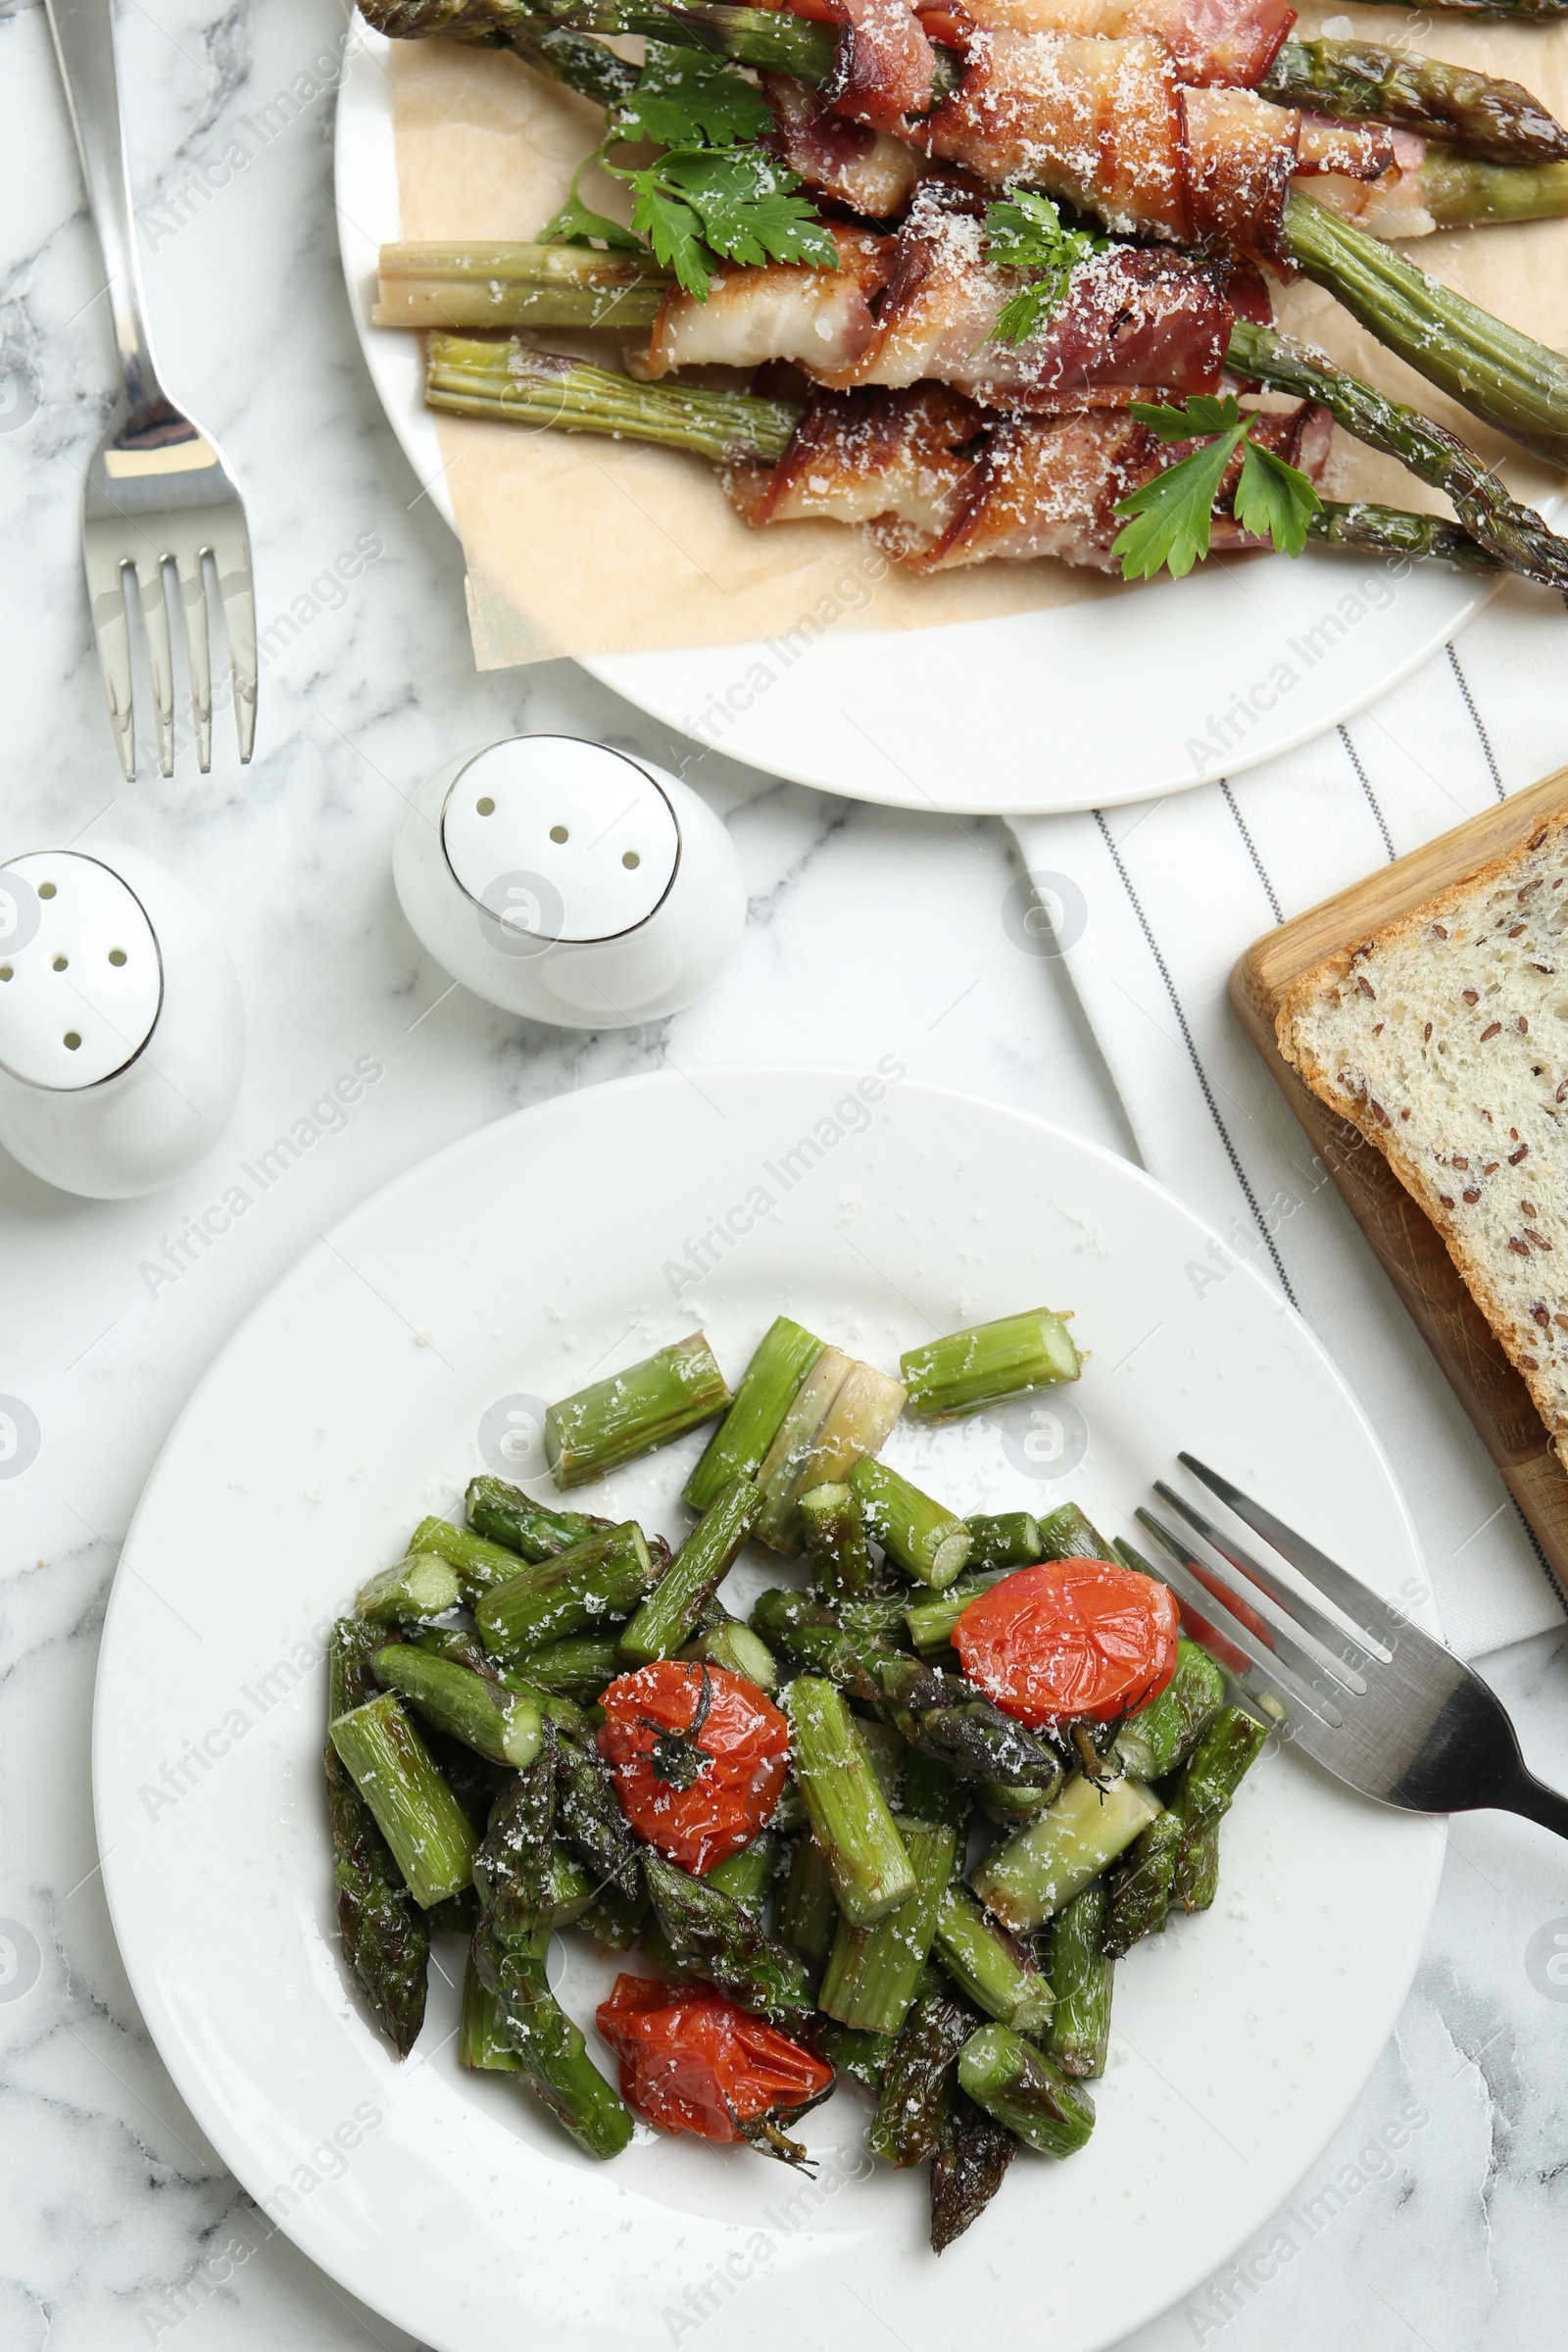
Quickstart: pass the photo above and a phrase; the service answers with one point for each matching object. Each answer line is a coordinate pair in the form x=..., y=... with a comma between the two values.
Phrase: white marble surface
x=870, y=931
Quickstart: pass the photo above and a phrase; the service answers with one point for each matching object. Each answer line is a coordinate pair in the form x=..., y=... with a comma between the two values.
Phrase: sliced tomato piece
x=692, y=2061
x=1070, y=1638
x=698, y=1755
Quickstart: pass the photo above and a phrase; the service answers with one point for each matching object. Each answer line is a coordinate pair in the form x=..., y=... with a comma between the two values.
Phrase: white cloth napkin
x=1172, y=891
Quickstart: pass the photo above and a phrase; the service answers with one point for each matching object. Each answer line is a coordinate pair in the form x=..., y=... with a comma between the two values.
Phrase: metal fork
x=159, y=493
x=1382, y=1705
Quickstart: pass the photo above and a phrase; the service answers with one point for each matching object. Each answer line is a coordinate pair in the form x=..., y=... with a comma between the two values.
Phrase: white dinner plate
x=1038, y=711
x=364, y=1392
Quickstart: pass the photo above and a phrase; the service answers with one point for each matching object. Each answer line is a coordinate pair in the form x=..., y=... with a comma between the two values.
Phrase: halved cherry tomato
x=1070, y=1638
x=697, y=1756
x=694, y=2062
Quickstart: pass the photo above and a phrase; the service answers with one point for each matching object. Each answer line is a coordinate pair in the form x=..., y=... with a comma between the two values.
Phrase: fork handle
x=84, y=43
x=1536, y=1802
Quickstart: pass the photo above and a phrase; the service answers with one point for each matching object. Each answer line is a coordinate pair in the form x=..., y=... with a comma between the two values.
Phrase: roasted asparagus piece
x=871, y=1869
x=873, y=1973
x=924, y=1538
x=712, y=1935
x=1081, y=1983
x=632, y=1412
x=416, y=1812
x=604, y=1579
x=991, y=1362
x=784, y=1355
x=1022, y=2088
x=917, y=2088
x=668, y=1616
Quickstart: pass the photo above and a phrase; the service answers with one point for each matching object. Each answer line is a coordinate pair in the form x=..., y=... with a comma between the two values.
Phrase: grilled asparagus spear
x=386, y=1936
x=712, y=1935
x=1362, y=81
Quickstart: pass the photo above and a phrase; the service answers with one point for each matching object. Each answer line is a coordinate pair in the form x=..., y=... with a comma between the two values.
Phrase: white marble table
x=871, y=932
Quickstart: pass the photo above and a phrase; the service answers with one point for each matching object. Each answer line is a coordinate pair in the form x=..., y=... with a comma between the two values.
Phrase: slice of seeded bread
x=1444, y=1038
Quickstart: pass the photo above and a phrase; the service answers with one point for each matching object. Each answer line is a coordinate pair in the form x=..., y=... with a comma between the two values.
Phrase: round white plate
x=1039, y=712
x=517, y=1264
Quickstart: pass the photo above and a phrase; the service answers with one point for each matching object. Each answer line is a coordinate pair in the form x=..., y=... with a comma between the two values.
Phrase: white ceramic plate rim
x=868, y=714
x=310, y=2228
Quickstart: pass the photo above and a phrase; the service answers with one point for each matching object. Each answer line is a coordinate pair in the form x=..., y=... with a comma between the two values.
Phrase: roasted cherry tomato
x=697, y=1756
x=694, y=2062
x=1070, y=1638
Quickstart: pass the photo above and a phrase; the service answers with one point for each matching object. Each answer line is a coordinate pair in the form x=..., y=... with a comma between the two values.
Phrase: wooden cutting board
x=1408, y=1246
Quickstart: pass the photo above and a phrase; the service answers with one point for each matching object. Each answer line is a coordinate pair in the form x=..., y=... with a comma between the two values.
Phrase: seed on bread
x=1471, y=1040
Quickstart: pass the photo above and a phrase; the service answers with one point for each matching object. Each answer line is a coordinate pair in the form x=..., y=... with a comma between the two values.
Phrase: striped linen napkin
x=1156, y=903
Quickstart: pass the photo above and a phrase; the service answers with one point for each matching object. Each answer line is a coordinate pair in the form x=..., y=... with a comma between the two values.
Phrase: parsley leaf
x=686, y=98
x=1170, y=516
x=1026, y=231
x=1275, y=500
x=1202, y=413
x=715, y=190
x=575, y=224
x=744, y=202
x=673, y=230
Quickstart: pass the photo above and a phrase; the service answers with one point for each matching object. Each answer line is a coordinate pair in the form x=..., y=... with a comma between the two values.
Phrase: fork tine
x=106, y=585
x=1379, y=1624
x=160, y=658
x=193, y=595
x=231, y=553
x=1340, y=1646
x=1268, y=1653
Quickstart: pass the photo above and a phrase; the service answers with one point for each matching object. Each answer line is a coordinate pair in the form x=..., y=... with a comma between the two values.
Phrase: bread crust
x=1543, y=1364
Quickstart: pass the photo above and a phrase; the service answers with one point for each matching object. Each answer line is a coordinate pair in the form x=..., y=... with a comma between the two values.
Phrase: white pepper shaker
x=122, y=1030
x=570, y=882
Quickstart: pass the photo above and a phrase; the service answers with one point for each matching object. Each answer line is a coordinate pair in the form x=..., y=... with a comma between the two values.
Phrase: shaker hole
x=558, y=833
x=73, y=1040
x=487, y=807
x=61, y=962
x=46, y=890
x=117, y=955
x=630, y=858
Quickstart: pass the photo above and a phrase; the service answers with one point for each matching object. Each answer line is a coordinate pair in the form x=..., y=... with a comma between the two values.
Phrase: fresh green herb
x=575, y=224
x=735, y=202
x=685, y=98
x=1170, y=516
x=714, y=192
x=1026, y=231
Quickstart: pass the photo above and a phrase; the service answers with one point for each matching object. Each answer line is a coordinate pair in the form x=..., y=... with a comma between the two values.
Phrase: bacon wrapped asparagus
x=1134, y=323
x=1107, y=123
x=942, y=483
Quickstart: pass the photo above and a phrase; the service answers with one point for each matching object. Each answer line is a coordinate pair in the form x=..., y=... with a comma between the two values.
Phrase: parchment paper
x=577, y=544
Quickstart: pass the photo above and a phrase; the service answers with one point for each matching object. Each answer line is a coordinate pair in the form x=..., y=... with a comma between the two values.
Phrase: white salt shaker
x=122, y=1030
x=570, y=882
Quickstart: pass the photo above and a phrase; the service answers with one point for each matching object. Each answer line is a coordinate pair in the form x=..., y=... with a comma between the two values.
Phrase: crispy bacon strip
x=940, y=488
x=1048, y=488
x=895, y=459
x=1242, y=156
x=885, y=67
x=1098, y=122
x=1357, y=150
x=1222, y=41
x=863, y=168
x=1108, y=125
x=1134, y=321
